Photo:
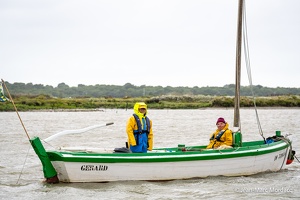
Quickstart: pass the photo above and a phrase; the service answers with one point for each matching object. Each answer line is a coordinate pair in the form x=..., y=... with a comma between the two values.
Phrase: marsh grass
x=44, y=102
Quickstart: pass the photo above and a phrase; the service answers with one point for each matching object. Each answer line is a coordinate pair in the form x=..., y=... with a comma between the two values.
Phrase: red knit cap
x=221, y=119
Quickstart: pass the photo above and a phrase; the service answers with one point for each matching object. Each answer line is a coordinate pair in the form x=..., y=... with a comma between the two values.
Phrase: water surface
x=21, y=174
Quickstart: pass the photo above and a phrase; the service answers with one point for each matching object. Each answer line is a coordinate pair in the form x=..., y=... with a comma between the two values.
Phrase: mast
x=236, y=122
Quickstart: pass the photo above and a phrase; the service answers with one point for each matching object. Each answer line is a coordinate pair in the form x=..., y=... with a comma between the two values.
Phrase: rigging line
x=247, y=60
x=289, y=143
x=49, y=144
x=23, y=165
x=297, y=159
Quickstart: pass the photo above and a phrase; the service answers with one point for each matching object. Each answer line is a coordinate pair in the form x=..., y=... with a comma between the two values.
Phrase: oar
x=66, y=132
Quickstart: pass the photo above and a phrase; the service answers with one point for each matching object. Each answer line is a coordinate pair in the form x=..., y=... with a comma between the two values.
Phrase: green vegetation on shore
x=45, y=102
x=30, y=96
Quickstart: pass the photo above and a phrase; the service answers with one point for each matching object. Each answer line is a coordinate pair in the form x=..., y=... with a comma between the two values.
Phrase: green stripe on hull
x=248, y=149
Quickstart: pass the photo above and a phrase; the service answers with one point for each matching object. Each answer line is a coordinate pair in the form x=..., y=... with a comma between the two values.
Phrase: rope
x=286, y=153
x=286, y=140
x=297, y=159
x=49, y=144
x=248, y=67
x=23, y=166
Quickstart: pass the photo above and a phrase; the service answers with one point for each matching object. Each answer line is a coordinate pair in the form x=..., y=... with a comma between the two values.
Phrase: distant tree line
x=129, y=90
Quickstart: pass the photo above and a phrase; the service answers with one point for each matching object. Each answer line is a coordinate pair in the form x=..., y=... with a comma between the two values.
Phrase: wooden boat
x=178, y=162
x=164, y=163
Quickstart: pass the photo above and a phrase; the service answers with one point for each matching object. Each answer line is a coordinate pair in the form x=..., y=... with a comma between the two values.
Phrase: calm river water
x=21, y=174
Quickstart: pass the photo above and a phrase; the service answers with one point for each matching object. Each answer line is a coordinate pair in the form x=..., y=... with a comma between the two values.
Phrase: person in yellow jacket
x=139, y=130
x=222, y=137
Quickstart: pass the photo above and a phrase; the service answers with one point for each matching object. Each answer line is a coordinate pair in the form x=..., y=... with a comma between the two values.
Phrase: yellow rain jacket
x=132, y=125
x=226, y=138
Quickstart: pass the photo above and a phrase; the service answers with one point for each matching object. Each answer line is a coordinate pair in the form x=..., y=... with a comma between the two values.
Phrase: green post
x=237, y=139
x=48, y=169
x=278, y=133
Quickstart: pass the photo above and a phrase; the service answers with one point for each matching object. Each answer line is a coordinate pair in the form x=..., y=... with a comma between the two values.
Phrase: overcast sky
x=158, y=42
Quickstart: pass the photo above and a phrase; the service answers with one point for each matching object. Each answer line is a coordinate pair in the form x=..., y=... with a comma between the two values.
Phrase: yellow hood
x=140, y=105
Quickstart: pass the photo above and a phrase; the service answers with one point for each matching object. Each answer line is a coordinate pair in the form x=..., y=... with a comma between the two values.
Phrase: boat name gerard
x=94, y=168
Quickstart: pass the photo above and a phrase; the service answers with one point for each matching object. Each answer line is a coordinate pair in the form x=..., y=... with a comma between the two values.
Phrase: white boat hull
x=156, y=171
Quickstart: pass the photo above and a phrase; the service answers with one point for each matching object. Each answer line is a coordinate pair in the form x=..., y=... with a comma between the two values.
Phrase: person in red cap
x=222, y=137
